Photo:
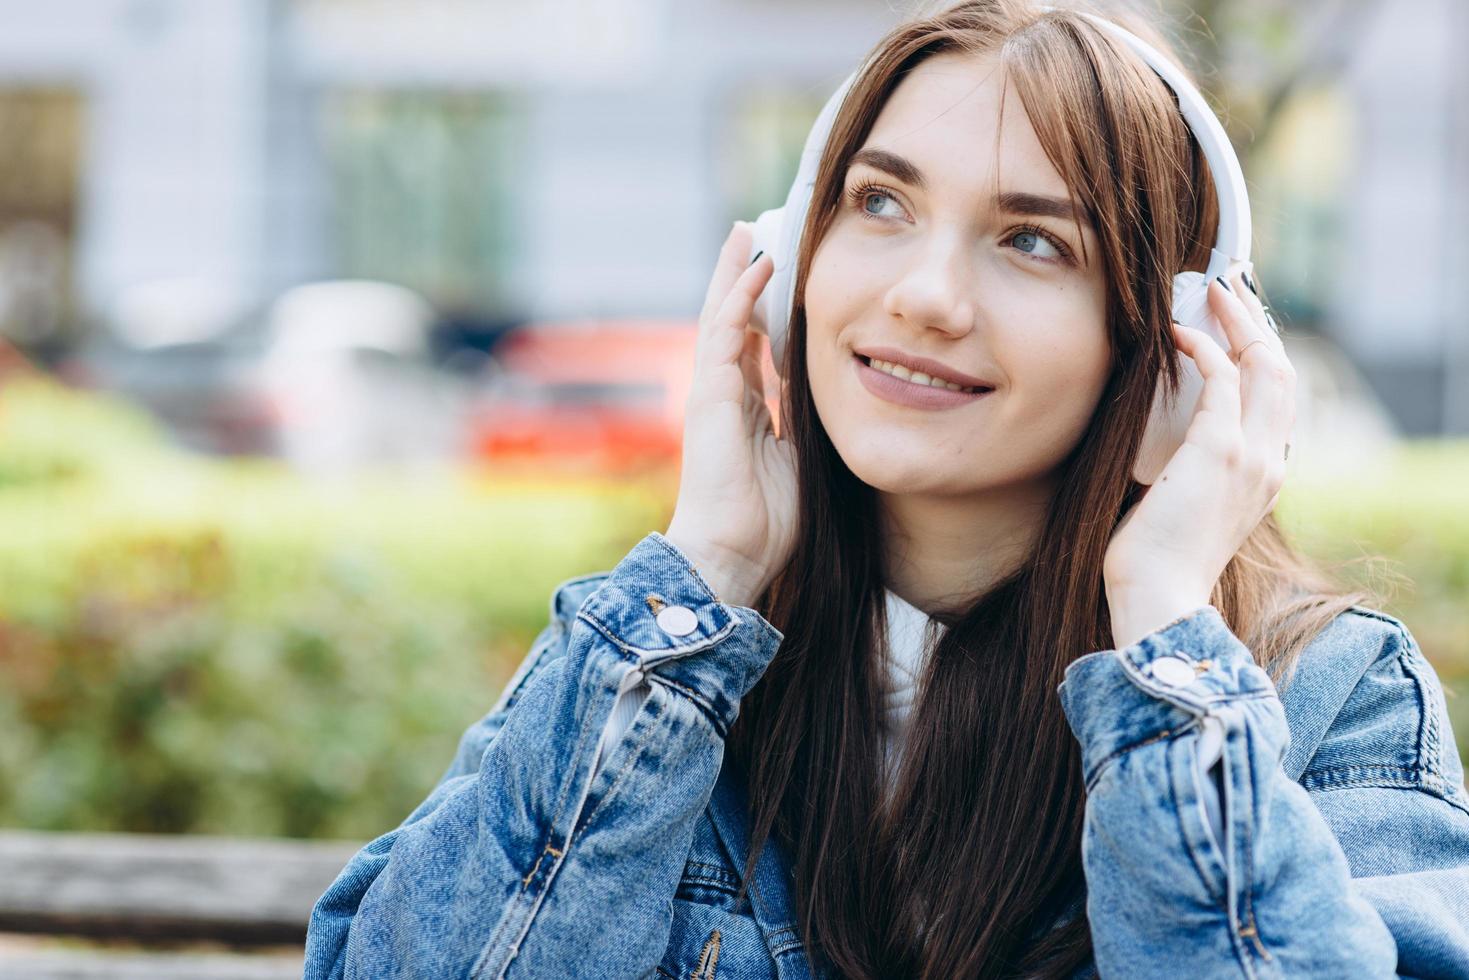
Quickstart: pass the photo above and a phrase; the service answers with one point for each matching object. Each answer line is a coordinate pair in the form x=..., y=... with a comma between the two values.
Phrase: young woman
x=928, y=685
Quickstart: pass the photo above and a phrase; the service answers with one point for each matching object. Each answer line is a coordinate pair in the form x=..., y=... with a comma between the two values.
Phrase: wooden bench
x=254, y=895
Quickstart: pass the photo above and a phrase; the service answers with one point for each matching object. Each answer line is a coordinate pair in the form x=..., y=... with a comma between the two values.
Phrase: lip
x=906, y=393
x=931, y=368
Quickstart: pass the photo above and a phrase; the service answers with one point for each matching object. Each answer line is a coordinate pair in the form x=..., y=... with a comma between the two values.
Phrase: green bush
x=207, y=646
x=1399, y=526
x=192, y=645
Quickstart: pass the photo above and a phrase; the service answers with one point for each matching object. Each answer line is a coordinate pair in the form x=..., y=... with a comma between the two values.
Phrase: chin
x=877, y=464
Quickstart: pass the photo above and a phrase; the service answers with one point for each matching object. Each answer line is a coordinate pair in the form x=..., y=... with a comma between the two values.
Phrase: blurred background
x=335, y=333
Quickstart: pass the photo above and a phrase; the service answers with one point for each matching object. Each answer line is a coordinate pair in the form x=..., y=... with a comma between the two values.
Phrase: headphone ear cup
x=1167, y=426
x=772, y=313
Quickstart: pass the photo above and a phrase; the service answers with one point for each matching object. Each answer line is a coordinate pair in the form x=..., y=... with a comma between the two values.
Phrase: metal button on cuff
x=677, y=620
x=1172, y=671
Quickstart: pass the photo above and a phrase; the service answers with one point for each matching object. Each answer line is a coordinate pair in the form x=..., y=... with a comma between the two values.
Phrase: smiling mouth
x=918, y=377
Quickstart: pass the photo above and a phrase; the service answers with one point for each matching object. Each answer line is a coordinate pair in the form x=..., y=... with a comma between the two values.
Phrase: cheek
x=834, y=287
x=1073, y=369
x=834, y=299
x=1061, y=382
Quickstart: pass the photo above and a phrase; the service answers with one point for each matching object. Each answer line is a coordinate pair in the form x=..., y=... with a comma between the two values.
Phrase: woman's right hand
x=736, y=513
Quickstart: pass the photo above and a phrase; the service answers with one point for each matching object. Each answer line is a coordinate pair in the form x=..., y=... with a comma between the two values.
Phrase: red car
x=604, y=394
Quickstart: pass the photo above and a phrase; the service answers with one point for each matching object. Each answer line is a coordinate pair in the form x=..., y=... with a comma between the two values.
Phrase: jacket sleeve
x=535, y=857
x=1361, y=869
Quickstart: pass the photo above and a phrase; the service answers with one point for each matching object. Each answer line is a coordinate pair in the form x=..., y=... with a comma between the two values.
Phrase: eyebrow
x=1012, y=202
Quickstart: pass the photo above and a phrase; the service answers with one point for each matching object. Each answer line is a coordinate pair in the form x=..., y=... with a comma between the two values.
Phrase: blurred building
x=580, y=158
x=548, y=160
x=1400, y=297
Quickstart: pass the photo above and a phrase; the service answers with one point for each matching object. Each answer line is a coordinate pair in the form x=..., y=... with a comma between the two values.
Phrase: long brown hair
x=978, y=853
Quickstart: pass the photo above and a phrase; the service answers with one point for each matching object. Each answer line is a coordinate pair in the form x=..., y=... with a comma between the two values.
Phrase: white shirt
x=911, y=636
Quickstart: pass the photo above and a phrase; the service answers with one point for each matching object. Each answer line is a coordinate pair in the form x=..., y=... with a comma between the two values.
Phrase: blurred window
x=40, y=129
x=762, y=145
x=426, y=188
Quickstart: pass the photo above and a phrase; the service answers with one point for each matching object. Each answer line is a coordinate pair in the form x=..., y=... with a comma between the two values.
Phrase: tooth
x=951, y=386
x=919, y=378
x=882, y=365
x=897, y=370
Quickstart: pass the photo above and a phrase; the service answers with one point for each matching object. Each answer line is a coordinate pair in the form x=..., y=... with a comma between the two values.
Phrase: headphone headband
x=1232, y=243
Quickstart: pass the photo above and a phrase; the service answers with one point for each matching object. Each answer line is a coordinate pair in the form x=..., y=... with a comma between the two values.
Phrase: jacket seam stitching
x=1428, y=737
x=1444, y=792
x=1101, y=766
x=558, y=858
x=1167, y=733
x=481, y=962
x=670, y=652
x=700, y=702
x=1221, y=896
x=559, y=593
x=1249, y=874
x=1364, y=774
x=668, y=546
x=594, y=804
x=709, y=876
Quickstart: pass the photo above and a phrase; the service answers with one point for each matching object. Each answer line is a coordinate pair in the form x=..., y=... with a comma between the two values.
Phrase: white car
x=348, y=367
x=330, y=375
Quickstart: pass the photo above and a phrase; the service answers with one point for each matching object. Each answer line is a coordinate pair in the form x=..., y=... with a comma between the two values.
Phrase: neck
x=942, y=553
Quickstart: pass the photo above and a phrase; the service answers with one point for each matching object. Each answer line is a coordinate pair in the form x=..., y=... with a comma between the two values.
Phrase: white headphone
x=777, y=233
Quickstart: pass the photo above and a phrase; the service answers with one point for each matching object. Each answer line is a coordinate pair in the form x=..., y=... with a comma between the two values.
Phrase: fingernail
x=1220, y=280
x=756, y=258
x=1249, y=282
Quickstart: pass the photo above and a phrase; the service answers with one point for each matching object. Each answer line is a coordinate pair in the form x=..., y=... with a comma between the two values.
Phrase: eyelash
x=857, y=196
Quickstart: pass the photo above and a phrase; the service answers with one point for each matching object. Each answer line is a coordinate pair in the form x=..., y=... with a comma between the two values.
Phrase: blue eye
x=1028, y=241
x=862, y=195
x=1034, y=241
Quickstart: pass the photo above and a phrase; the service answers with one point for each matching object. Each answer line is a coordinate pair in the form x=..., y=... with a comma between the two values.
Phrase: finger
x=752, y=369
x=727, y=268
x=730, y=323
x=1284, y=417
x=1239, y=324
x=1221, y=377
x=1267, y=379
x=1245, y=290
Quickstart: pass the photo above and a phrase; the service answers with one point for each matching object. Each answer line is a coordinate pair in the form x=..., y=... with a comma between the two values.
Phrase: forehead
x=944, y=115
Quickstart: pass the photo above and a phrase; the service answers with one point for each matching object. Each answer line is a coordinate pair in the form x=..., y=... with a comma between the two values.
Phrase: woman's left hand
x=1170, y=549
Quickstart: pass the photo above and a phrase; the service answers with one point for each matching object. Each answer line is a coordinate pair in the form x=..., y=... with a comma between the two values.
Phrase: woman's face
x=956, y=260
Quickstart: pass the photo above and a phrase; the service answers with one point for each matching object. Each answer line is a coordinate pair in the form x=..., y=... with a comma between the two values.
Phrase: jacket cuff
x=1116, y=700
x=659, y=611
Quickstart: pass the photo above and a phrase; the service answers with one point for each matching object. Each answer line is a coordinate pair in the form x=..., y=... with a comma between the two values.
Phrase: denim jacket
x=1345, y=850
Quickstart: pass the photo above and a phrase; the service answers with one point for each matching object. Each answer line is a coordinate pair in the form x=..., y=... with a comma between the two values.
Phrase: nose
x=936, y=290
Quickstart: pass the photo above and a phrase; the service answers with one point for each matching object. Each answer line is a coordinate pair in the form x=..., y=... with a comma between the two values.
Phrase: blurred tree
x=1254, y=55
